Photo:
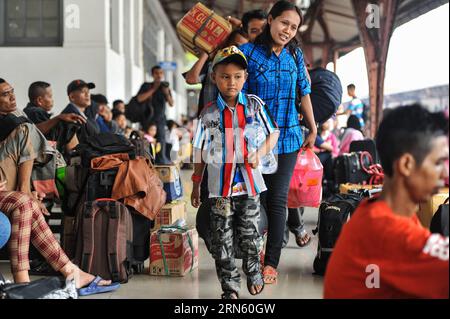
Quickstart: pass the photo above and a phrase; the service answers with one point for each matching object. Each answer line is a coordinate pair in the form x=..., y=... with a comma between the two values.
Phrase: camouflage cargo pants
x=236, y=216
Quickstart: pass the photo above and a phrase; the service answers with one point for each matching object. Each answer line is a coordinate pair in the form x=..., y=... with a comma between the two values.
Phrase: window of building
x=31, y=22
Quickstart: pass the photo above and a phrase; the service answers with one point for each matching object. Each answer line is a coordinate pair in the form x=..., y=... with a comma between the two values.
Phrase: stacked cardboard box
x=173, y=252
x=170, y=213
x=428, y=209
x=170, y=176
x=202, y=29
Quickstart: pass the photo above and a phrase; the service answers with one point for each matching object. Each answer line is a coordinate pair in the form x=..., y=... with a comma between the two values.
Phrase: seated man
x=79, y=95
x=21, y=143
x=384, y=251
x=62, y=128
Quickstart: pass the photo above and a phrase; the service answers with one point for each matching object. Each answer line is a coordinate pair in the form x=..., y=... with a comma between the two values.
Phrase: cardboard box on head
x=203, y=29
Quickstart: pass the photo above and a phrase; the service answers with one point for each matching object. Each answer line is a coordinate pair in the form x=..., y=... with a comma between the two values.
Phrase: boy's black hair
x=36, y=90
x=353, y=122
x=408, y=129
x=265, y=38
x=230, y=40
x=351, y=87
x=251, y=15
x=2, y=81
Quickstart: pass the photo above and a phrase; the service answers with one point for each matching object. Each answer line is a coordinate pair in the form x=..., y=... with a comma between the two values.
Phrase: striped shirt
x=276, y=79
x=220, y=137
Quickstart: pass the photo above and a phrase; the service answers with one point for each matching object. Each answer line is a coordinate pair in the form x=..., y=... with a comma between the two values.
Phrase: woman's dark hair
x=2, y=81
x=265, y=38
x=353, y=122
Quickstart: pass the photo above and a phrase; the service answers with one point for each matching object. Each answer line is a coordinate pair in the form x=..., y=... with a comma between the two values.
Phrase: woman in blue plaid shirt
x=276, y=73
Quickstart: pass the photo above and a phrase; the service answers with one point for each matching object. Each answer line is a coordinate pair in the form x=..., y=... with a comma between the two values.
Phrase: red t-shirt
x=410, y=261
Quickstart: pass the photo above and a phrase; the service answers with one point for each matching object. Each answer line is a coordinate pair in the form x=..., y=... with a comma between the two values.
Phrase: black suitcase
x=100, y=185
x=333, y=215
x=367, y=145
x=348, y=169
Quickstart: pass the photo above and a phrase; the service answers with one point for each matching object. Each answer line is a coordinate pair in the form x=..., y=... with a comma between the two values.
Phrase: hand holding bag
x=305, y=189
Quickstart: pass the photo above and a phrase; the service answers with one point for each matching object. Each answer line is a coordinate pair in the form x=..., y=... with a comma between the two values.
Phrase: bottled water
x=255, y=136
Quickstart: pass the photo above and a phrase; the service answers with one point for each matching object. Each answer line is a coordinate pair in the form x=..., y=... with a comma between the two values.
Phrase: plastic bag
x=305, y=189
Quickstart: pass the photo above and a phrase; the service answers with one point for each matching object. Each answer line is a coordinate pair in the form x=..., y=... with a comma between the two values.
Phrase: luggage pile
x=105, y=232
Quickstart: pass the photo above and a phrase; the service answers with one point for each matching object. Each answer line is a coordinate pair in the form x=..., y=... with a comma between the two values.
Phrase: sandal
x=95, y=288
x=230, y=295
x=270, y=272
x=254, y=281
x=300, y=240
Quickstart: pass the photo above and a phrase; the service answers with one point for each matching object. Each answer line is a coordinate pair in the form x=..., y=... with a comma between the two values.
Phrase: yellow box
x=428, y=209
x=168, y=173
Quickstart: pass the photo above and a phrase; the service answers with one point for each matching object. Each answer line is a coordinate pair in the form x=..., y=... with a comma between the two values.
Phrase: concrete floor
x=295, y=280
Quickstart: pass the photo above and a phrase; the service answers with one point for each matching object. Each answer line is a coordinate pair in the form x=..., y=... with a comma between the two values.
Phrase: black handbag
x=46, y=288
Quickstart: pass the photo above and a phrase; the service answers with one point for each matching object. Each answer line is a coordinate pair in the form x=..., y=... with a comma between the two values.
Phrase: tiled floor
x=295, y=280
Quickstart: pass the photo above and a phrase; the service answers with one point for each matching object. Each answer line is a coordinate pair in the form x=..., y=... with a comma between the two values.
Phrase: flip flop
x=298, y=239
x=95, y=288
x=256, y=280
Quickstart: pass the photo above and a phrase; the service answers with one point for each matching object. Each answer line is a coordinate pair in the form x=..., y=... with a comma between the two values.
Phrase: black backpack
x=333, y=214
x=139, y=112
x=326, y=94
x=104, y=144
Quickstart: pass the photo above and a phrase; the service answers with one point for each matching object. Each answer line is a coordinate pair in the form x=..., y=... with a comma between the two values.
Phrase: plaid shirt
x=275, y=80
x=220, y=135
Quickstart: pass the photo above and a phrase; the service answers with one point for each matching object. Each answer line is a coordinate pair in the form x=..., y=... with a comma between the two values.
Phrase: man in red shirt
x=383, y=251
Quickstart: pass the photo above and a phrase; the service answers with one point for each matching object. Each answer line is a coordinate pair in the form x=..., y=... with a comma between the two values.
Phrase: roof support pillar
x=375, y=25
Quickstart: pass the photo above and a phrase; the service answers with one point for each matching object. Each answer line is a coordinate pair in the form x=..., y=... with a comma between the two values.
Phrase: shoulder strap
x=87, y=254
x=112, y=247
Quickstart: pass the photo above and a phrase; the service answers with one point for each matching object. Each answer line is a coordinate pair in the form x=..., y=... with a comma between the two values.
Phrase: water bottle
x=255, y=136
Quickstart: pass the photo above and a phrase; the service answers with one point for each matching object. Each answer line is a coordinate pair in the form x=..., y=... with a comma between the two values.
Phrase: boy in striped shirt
x=234, y=180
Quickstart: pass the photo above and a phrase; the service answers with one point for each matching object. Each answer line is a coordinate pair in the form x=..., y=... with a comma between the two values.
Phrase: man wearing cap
x=79, y=95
